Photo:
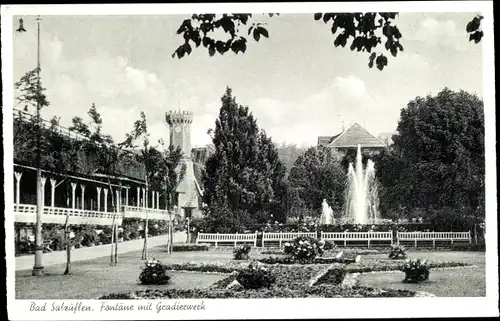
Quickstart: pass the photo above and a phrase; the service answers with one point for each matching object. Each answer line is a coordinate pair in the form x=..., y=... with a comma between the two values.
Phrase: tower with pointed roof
x=188, y=190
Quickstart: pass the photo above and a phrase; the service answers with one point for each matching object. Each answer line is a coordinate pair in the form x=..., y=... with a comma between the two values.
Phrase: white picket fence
x=227, y=238
x=433, y=236
x=287, y=236
x=357, y=236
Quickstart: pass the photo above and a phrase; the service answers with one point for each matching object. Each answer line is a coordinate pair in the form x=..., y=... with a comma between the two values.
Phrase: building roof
x=354, y=136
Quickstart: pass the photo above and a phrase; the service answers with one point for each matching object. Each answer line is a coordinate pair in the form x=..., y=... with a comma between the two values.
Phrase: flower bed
x=374, y=265
x=321, y=291
x=217, y=267
x=190, y=247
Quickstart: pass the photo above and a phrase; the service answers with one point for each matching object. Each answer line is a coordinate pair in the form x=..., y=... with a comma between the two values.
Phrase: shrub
x=398, y=252
x=241, y=252
x=333, y=276
x=190, y=247
x=416, y=271
x=329, y=245
x=154, y=273
x=304, y=249
x=255, y=277
x=277, y=260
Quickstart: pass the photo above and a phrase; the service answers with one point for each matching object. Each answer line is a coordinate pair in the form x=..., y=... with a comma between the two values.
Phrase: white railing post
x=138, y=196
x=345, y=238
x=153, y=199
x=279, y=238
x=216, y=238
x=235, y=238
x=255, y=240
x=18, y=176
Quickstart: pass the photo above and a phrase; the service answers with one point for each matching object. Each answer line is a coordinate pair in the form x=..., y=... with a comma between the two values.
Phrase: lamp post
x=38, y=267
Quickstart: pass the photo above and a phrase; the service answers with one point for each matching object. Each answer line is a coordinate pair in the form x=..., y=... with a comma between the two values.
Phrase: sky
x=297, y=84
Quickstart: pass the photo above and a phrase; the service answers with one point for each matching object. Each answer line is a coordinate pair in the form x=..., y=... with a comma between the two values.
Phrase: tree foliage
x=318, y=175
x=162, y=168
x=289, y=153
x=361, y=32
x=244, y=179
x=474, y=30
x=437, y=159
x=31, y=90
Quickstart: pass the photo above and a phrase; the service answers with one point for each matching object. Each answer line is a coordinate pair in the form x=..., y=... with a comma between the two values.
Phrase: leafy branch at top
x=199, y=30
x=361, y=32
x=474, y=30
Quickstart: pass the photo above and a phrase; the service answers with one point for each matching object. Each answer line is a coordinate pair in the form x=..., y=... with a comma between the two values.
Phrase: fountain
x=326, y=214
x=362, y=196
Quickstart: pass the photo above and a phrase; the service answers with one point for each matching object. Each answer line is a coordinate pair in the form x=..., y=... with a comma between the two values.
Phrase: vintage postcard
x=249, y=160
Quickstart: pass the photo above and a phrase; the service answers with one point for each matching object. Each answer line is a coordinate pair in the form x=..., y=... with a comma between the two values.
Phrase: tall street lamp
x=38, y=267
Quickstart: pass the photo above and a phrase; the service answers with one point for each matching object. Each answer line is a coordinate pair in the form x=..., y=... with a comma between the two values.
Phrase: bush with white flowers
x=304, y=249
x=154, y=273
x=416, y=270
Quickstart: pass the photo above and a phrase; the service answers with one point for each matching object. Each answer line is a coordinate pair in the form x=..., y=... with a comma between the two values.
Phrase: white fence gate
x=433, y=236
x=287, y=236
x=357, y=236
x=226, y=238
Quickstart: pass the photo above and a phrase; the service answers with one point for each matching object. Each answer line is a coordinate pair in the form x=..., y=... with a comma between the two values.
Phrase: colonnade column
x=44, y=179
x=82, y=187
x=52, y=192
x=98, y=198
x=105, y=200
x=18, y=176
x=73, y=196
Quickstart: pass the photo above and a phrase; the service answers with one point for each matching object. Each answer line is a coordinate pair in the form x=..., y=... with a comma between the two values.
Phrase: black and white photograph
x=183, y=161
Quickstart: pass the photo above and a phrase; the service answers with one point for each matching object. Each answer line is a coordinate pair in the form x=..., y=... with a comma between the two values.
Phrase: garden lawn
x=447, y=282
x=93, y=278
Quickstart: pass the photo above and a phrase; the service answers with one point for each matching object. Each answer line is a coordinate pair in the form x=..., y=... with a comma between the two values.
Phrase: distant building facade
x=351, y=138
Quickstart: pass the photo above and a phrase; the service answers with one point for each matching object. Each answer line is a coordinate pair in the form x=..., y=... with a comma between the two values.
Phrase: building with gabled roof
x=351, y=138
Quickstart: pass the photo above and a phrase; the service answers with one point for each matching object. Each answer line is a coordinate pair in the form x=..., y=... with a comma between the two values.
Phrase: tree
x=243, y=179
x=162, y=169
x=106, y=156
x=318, y=175
x=362, y=31
x=440, y=143
x=289, y=153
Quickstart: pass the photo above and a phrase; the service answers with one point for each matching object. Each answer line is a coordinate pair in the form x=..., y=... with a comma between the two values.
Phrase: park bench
x=433, y=236
x=284, y=236
x=227, y=238
x=357, y=236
